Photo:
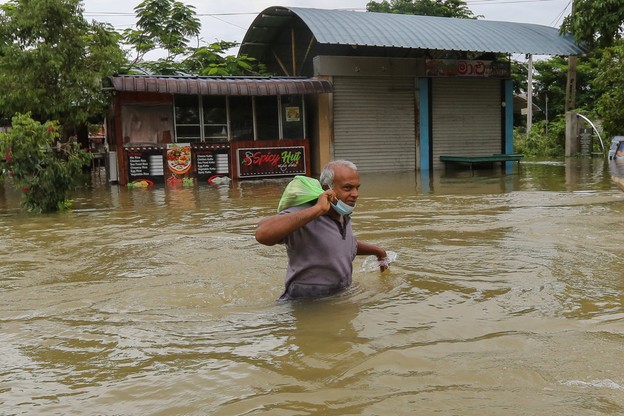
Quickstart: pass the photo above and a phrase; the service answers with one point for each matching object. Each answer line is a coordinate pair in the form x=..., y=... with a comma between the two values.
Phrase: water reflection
x=506, y=298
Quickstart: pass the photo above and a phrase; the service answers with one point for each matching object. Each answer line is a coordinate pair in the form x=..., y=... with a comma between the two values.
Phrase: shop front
x=185, y=129
x=408, y=90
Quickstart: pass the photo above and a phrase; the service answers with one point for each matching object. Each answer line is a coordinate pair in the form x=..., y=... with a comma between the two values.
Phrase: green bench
x=482, y=159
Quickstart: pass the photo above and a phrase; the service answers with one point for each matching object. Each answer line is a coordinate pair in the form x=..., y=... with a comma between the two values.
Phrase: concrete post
x=572, y=142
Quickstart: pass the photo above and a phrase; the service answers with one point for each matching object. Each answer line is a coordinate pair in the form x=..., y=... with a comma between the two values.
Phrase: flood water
x=506, y=298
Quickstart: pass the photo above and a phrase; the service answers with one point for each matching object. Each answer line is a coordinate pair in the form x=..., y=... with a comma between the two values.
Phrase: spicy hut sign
x=278, y=160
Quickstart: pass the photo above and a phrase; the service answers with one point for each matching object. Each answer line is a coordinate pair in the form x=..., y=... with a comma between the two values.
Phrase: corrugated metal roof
x=220, y=85
x=341, y=27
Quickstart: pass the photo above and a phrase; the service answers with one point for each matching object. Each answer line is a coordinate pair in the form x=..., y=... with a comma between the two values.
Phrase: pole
x=570, y=99
x=529, y=121
x=546, y=114
x=570, y=103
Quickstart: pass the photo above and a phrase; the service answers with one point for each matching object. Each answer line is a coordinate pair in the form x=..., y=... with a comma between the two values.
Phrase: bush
x=44, y=169
x=542, y=143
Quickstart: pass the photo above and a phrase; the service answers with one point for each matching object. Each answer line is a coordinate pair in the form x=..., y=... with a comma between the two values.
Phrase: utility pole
x=570, y=99
x=570, y=103
x=529, y=120
x=546, y=99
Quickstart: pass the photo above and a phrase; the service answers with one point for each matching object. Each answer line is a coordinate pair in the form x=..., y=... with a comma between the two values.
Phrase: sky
x=229, y=19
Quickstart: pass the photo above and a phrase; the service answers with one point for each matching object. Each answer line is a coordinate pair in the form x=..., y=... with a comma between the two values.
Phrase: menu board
x=271, y=161
x=206, y=163
x=145, y=164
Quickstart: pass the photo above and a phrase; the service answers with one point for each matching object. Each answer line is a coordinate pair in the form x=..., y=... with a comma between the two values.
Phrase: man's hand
x=325, y=199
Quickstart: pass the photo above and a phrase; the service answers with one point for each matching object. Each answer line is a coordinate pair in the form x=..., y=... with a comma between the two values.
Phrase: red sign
x=271, y=161
x=467, y=68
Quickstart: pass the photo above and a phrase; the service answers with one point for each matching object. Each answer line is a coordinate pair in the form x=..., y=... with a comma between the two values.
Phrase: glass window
x=241, y=118
x=292, y=116
x=267, y=118
x=187, y=134
x=215, y=133
x=187, y=109
x=187, y=118
x=214, y=109
x=215, y=118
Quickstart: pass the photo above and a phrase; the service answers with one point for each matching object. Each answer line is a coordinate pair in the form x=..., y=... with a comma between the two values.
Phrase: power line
x=196, y=14
x=554, y=22
x=557, y=19
x=499, y=2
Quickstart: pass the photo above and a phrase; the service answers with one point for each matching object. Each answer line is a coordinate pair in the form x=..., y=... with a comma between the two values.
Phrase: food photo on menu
x=179, y=158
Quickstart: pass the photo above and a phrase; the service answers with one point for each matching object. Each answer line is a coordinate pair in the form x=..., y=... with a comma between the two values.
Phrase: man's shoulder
x=297, y=208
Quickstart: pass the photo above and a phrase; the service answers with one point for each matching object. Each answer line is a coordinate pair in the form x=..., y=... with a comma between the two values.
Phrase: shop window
x=292, y=116
x=222, y=118
x=215, y=118
x=241, y=118
x=146, y=123
x=267, y=118
x=187, y=117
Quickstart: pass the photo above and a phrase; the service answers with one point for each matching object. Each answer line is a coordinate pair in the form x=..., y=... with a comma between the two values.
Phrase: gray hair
x=327, y=175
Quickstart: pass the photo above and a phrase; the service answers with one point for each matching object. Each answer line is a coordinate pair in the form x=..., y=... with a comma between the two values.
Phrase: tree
x=550, y=80
x=163, y=24
x=52, y=61
x=442, y=8
x=170, y=25
x=43, y=170
x=600, y=23
x=595, y=22
x=610, y=81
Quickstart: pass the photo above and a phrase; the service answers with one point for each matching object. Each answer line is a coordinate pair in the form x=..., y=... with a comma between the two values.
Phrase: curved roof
x=341, y=27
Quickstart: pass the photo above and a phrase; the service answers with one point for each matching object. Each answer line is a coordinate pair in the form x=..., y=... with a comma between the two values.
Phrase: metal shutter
x=374, y=122
x=466, y=117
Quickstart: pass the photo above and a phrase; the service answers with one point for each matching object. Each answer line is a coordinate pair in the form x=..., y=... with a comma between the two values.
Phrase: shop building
x=389, y=92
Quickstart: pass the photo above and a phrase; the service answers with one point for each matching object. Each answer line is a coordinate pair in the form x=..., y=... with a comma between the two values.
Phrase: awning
x=242, y=86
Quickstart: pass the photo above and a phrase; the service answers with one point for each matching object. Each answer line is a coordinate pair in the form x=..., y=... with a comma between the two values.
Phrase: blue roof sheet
x=341, y=27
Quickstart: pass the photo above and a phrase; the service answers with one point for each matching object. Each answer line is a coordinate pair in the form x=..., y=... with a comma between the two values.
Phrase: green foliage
x=442, y=8
x=519, y=75
x=43, y=170
x=550, y=81
x=163, y=24
x=210, y=61
x=52, y=61
x=542, y=142
x=595, y=22
x=168, y=25
x=610, y=81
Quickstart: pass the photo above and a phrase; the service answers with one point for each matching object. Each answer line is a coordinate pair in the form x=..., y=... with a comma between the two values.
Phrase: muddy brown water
x=506, y=298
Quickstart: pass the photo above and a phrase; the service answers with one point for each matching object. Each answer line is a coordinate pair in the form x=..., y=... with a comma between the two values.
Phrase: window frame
x=203, y=138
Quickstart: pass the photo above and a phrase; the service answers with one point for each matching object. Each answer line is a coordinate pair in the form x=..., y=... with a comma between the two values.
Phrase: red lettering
x=260, y=158
x=479, y=68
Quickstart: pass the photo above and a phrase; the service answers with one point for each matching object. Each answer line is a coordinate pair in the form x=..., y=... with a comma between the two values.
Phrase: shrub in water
x=43, y=169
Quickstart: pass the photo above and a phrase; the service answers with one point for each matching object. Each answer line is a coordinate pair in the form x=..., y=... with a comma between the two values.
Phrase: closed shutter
x=466, y=117
x=374, y=122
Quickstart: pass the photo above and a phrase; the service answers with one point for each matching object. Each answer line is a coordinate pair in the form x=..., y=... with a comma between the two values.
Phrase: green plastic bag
x=300, y=190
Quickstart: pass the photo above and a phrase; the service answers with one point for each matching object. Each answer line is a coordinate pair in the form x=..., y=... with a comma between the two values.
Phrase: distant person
x=318, y=236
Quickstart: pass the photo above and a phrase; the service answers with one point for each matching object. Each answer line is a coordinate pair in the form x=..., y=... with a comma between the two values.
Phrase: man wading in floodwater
x=319, y=240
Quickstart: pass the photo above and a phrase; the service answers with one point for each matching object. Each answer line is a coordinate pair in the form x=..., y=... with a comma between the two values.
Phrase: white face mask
x=342, y=208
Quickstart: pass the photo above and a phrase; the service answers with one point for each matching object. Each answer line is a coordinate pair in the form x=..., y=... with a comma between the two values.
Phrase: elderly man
x=318, y=236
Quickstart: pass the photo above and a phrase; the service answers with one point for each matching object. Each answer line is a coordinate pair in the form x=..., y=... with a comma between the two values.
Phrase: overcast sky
x=229, y=19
